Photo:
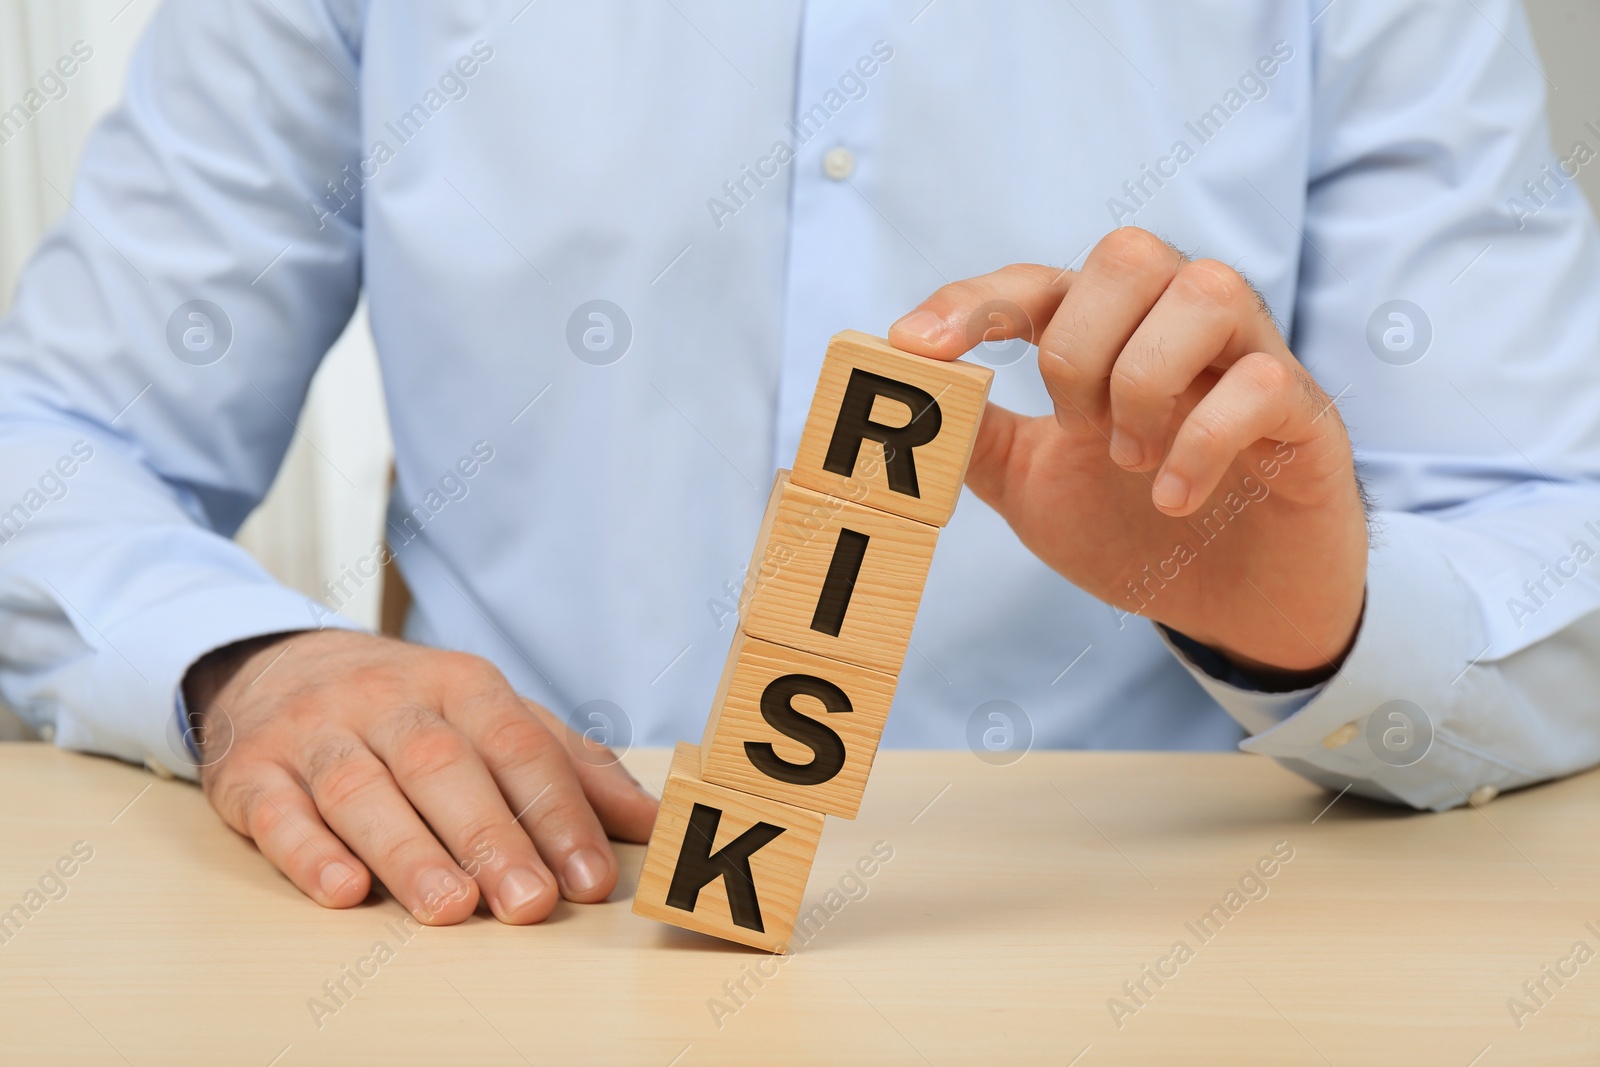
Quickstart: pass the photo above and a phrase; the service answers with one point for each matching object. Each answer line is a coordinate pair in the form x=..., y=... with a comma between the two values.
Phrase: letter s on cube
x=795, y=727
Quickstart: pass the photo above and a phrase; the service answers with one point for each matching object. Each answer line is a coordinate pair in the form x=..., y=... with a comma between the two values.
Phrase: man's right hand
x=343, y=753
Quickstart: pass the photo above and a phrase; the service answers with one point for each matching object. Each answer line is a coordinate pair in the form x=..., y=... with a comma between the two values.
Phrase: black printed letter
x=840, y=583
x=855, y=425
x=698, y=866
x=777, y=707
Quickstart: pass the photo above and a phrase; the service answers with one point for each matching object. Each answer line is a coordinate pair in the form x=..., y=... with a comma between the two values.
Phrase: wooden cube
x=726, y=863
x=891, y=430
x=835, y=578
x=795, y=727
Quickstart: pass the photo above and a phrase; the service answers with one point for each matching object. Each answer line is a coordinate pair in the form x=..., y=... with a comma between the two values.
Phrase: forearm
x=149, y=352
x=109, y=591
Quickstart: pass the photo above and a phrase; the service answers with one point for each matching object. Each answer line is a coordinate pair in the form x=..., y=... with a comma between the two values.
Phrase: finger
x=1209, y=316
x=362, y=804
x=1260, y=397
x=625, y=809
x=991, y=470
x=443, y=775
x=1123, y=277
x=1006, y=303
x=267, y=805
x=531, y=767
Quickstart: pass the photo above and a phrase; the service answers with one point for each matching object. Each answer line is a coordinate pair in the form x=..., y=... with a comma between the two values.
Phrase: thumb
x=1013, y=302
x=994, y=465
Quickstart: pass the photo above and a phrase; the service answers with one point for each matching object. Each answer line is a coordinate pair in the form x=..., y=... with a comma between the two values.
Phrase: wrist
x=211, y=674
x=1227, y=669
x=1224, y=663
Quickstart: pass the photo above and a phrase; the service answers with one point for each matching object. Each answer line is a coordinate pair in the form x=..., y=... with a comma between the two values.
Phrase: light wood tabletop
x=1004, y=909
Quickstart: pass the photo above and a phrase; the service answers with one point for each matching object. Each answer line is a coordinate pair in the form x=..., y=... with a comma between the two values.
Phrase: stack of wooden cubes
x=824, y=623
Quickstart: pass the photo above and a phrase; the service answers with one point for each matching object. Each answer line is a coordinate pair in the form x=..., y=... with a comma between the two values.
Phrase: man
x=604, y=246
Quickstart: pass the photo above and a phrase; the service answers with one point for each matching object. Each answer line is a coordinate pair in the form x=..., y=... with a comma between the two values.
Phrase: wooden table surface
x=1017, y=903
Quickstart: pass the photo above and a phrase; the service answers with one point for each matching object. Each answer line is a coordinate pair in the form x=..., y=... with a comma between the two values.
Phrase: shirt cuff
x=1255, y=709
x=140, y=663
x=1381, y=726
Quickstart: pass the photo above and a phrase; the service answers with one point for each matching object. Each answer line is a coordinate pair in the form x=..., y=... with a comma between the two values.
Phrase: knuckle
x=950, y=300
x=1135, y=380
x=372, y=825
x=1207, y=435
x=426, y=753
x=1055, y=359
x=265, y=816
x=511, y=736
x=408, y=720
x=1018, y=281
x=399, y=852
x=954, y=300
x=1026, y=272
x=1132, y=250
x=1269, y=374
x=343, y=784
x=235, y=796
x=481, y=835
x=303, y=855
x=472, y=678
x=326, y=754
x=467, y=664
x=1060, y=346
x=565, y=823
x=483, y=855
x=1213, y=282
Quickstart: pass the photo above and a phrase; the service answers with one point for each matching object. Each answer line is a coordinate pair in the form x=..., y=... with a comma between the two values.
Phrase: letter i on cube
x=824, y=624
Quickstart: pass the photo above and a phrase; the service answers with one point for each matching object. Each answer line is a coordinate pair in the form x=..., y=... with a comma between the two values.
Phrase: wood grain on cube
x=871, y=397
x=835, y=578
x=700, y=822
x=795, y=727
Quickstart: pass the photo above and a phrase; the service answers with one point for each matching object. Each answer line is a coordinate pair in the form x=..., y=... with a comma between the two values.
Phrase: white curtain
x=325, y=511
x=326, y=507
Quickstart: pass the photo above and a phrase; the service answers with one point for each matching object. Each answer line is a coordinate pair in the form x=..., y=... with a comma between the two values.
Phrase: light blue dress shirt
x=579, y=484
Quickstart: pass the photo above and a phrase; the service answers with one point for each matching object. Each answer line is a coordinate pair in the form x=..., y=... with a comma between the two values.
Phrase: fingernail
x=437, y=888
x=1171, y=491
x=585, y=870
x=1125, y=450
x=519, y=889
x=921, y=323
x=335, y=876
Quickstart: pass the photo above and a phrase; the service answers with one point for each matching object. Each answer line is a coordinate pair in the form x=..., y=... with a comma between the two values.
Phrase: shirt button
x=839, y=163
x=1342, y=736
x=1482, y=795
